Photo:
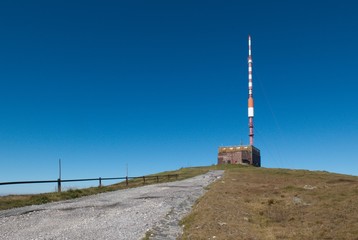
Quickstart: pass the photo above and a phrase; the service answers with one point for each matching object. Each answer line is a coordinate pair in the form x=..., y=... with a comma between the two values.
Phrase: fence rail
x=100, y=179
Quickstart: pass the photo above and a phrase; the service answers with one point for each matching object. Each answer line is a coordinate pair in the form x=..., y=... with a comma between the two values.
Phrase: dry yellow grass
x=258, y=203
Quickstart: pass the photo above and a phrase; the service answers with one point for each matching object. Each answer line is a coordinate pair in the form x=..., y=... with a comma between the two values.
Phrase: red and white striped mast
x=251, y=99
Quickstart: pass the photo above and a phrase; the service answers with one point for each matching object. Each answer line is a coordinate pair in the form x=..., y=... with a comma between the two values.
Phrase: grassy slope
x=258, y=203
x=253, y=203
x=12, y=201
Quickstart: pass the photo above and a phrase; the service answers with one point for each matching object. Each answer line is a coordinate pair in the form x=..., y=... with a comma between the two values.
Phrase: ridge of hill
x=252, y=203
x=18, y=200
x=260, y=203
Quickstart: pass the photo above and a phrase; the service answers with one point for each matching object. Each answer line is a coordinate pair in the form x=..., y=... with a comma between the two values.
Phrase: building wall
x=256, y=158
x=239, y=155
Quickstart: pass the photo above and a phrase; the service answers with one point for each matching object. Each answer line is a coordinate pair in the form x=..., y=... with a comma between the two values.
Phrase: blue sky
x=160, y=85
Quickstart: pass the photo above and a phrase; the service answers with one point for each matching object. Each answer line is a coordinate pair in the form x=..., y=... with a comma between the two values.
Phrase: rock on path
x=123, y=214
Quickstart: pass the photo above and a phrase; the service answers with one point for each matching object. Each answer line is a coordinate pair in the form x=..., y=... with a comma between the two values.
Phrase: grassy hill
x=259, y=203
x=252, y=203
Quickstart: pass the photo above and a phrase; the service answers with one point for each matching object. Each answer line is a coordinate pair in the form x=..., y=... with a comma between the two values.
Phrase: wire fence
x=100, y=179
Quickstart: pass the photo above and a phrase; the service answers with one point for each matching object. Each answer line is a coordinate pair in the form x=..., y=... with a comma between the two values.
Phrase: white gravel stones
x=124, y=214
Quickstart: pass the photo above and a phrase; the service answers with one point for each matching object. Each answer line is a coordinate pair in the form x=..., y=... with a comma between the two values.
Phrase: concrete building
x=239, y=155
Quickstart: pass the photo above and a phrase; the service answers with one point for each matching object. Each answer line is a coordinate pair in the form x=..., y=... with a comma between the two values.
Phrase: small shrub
x=271, y=201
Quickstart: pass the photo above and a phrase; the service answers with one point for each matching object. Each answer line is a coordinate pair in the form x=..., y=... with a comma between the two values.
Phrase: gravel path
x=123, y=214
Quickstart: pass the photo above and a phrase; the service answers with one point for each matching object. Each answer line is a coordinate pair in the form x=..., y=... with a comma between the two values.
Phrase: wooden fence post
x=100, y=182
x=127, y=181
x=59, y=185
x=143, y=179
x=157, y=179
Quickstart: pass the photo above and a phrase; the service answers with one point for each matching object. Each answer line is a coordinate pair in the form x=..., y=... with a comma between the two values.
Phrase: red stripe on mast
x=251, y=99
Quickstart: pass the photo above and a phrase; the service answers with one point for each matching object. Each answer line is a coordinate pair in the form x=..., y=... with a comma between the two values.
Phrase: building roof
x=237, y=148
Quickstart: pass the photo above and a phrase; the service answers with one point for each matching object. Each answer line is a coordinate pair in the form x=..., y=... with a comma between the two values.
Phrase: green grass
x=14, y=201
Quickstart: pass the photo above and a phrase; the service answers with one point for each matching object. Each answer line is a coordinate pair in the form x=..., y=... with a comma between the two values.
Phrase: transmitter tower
x=244, y=154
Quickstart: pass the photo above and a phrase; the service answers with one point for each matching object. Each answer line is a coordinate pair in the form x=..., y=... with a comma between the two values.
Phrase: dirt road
x=124, y=214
